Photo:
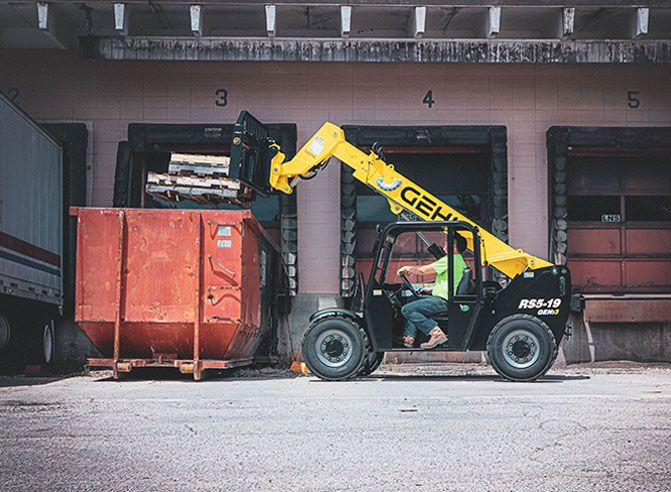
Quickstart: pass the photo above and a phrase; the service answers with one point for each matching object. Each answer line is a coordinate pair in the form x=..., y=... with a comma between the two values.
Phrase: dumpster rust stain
x=156, y=310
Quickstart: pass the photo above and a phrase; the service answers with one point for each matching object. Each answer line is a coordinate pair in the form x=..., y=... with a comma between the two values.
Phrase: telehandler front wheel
x=521, y=347
x=334, y=348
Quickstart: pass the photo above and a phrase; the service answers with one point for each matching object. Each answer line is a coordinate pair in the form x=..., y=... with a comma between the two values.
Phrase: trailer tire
x=371, y=362
x=5, y=332
x=521, y=348
x=48, y=342
x=334, y=348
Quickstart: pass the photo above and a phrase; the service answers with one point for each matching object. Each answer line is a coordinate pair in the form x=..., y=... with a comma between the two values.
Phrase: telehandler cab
x=519, y=320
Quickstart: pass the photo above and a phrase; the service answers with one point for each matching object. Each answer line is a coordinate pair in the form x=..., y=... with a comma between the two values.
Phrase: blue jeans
x=418, y=314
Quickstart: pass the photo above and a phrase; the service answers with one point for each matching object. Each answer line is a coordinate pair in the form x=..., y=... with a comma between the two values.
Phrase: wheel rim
x=334, y=348
x=4, y=332
x=48, y=342
x=521, y=349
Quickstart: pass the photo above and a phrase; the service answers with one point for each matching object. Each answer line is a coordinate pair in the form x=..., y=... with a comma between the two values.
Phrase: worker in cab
x=433, y=301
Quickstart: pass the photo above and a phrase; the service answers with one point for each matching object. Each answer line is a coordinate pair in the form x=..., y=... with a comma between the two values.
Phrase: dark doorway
x=610, y=196
x=466, y=167
x=148, y=149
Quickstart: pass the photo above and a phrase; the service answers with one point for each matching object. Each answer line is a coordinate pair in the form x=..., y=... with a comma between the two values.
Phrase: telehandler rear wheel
x=521, y=347
x=334, y=348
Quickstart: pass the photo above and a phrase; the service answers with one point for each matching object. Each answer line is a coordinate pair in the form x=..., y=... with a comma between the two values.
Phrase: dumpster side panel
x=149, y=340
x=101, y=335
x=249, y=329
x=222, y=267
x=160, y=276
x=142, y=340
x=97, y=264
x=251, y=279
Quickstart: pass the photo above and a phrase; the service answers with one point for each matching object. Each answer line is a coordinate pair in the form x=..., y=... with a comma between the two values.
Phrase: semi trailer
x=31, y=242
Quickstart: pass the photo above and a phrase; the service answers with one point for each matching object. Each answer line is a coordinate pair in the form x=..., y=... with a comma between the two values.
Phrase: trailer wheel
x=5, y=332
x=334, y=348
x=521, y=347
x=48, y=342
x=371, y=362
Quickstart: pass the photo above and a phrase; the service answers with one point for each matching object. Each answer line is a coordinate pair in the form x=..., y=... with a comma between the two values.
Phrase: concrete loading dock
x=525, y=67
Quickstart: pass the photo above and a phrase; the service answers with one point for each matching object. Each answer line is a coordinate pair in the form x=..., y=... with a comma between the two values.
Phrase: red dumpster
x=191, y=289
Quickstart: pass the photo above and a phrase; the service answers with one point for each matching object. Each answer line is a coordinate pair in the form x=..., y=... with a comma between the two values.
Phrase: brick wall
x=527, y=99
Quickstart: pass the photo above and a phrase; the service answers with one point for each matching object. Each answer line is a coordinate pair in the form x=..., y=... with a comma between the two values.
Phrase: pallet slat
x=208, y=165
x=192, y=181
x=198, y=177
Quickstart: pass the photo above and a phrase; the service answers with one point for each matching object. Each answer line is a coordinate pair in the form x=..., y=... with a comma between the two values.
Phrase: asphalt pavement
x=404, y=428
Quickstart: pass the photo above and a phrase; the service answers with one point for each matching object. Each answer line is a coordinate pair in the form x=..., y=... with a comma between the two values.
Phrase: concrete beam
x=411, y=3
x=568, y=22
x=121, y=18
x=493, y=22
x=419, y=22
x=642, y=21
x=196, y=21
x=345, y=20
x=270, y=20
x=50, y=24
x=376, y=50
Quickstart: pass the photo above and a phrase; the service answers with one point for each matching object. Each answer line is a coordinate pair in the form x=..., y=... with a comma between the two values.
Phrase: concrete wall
x=643, y=342
x=526, y=98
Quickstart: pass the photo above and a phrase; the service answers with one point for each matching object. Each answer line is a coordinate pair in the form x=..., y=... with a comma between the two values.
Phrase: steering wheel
x=408, y=285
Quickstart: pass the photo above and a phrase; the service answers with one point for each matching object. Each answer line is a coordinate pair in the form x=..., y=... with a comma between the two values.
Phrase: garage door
x=619, y=222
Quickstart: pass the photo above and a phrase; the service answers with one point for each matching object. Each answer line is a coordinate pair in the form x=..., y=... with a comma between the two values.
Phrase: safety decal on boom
x=546, y=307
x=317, y=146
x=388, y=187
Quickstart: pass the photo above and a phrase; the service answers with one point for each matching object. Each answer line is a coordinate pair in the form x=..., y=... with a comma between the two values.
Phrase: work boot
x=437, y=338
x=408, y=342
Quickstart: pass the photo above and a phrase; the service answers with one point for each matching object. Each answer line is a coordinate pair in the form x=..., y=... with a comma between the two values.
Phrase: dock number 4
x=428, y=99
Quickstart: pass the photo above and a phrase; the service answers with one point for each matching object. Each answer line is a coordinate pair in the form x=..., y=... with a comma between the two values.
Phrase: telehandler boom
x=520, y=325
x=404, y=196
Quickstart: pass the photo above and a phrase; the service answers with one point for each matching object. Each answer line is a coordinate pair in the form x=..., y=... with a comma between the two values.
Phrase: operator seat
x=466, y=286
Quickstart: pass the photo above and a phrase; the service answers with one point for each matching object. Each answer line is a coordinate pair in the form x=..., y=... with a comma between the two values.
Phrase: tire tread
x=542, y=324
x=364, y=337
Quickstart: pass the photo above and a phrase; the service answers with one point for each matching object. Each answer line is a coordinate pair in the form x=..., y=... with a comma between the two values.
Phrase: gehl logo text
x=424, y=205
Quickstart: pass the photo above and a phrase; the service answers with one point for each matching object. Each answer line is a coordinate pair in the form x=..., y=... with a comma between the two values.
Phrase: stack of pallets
x=201, y=178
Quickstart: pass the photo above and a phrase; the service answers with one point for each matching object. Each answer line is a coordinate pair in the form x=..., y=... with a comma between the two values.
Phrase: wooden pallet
x=205, y=196
x=199, y=164
x=204, y=190
x=192, y=180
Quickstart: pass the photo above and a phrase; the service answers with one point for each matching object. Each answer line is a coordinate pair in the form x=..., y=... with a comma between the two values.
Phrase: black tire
x=5, y=332
x=334, y=348
x=530, y=347
x=371, y=363
x=48, y=338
